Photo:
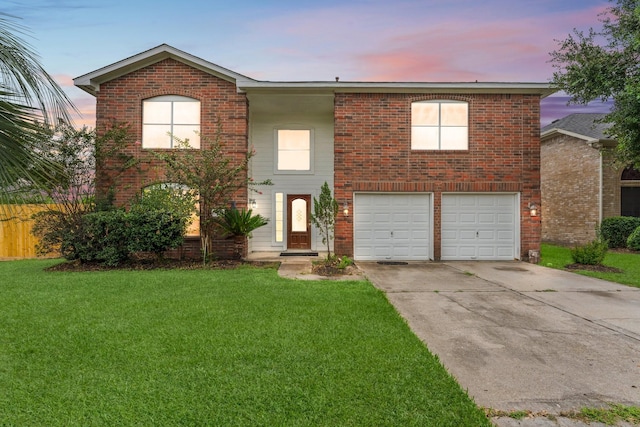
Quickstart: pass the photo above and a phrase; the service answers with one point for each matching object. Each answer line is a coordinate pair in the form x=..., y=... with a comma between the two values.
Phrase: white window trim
x=440, y=102
x=172, y=99
x=311, y=151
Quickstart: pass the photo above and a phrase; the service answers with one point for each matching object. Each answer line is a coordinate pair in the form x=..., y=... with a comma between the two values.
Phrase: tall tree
x=29, y=97
x=605, y=64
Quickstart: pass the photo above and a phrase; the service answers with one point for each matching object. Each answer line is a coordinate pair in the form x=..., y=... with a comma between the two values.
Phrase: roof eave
x=550, y=133
x=90, y=82
x=541, y=89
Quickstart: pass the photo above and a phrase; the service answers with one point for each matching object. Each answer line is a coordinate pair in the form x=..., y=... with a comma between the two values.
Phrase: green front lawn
x=557, y=257
x=203, y=347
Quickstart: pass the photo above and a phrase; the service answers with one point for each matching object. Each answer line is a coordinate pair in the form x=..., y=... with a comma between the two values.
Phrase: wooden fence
x=16, y=240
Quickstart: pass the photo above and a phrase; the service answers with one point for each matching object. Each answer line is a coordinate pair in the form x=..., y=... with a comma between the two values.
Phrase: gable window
x=439, y=125
x=165, y=118
x=293, y=150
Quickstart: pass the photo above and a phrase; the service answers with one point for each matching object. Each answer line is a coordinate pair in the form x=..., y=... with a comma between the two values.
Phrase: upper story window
x=166, y=117
x=440, y=125
x=294, y=150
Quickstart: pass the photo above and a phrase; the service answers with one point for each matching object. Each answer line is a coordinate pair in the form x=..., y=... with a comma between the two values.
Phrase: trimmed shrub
x=109, y=237
x=633, y=242
x=616, y=230
x=104, y=238
x=155, y=231
x=590, y=254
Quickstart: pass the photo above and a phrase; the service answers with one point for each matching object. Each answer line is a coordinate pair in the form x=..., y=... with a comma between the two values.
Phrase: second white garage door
x=392, y=226
x=480, y=227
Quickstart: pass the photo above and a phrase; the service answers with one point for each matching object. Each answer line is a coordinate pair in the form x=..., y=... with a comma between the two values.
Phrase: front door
x=298, y=221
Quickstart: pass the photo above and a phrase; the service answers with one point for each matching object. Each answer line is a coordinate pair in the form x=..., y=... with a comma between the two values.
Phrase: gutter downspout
x=600, y=189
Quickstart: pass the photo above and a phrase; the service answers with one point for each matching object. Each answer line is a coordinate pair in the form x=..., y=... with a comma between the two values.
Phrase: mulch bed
x=162, y=264
x=597, y=268
x=322, y=269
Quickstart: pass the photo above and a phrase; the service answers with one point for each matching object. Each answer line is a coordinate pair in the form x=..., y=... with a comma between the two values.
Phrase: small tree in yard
x=214, y=176
x=325, y=212
x=71, y=191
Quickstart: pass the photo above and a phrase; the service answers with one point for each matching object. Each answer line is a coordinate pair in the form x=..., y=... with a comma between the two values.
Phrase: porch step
x=298, y=253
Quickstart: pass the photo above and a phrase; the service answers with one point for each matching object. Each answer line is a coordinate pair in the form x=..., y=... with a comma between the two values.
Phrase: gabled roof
x=586, y=126
x=90, y=82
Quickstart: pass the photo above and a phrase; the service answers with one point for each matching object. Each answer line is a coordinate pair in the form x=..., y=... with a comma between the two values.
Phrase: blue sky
x=302, y=40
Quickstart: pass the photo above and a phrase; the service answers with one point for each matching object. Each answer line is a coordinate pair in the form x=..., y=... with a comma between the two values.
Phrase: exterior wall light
x=253, y=203
x=345, y=208
x=533, y=209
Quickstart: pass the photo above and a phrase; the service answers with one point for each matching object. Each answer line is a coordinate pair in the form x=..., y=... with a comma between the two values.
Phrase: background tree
x=604, y=64
x=28, y=97
x=325, y=211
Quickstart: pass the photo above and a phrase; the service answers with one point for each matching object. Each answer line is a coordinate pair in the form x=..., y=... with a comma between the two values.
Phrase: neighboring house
x=421, y=171
x=581, y=182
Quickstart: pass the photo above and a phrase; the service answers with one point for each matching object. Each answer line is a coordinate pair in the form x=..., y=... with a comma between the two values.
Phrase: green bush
x=633, y=242
x=155, y=231
x=616, y=230
x=104, y=238
x=109, y=237
x=344, y=262
x=590, y=254
x=236, y=222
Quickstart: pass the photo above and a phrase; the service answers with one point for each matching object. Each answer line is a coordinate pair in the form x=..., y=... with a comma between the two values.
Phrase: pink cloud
x=428, y=43
x=64, y=80
x=454, y=51
x=86, y=115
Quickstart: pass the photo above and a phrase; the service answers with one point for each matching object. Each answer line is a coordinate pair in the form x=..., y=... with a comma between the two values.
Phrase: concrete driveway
x=519, y=336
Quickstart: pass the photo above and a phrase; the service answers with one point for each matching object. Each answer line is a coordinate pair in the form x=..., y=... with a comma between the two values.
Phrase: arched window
x=169, y=119
x=630, y=174
x=440, y=125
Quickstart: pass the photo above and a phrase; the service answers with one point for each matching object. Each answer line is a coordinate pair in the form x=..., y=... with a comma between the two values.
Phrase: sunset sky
x=303, y=40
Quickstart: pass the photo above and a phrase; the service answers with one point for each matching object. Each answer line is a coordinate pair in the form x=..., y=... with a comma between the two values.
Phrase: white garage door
x=392, y=226
x=480, y=227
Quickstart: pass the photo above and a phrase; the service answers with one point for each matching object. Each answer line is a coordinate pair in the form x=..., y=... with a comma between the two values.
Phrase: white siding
x=268, y=113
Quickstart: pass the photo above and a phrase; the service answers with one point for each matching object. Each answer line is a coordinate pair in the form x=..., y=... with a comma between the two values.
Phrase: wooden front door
x=298, y=221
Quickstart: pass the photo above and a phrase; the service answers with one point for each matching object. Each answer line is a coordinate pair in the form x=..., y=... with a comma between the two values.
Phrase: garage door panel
x=486, y=251
x=506, y=235
x=487, y=218
x=505, y=219
x=504, y=251
x=399, y=224
x=486, y=235
x=479, y=226
x=465, y=234
x=466, y=218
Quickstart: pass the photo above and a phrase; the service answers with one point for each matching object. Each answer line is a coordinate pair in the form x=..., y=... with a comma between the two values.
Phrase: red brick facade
x=373, y=153
x=372, y=139
x=120, y=101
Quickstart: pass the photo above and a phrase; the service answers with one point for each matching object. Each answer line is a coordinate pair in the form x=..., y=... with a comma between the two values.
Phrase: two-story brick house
x=421, y=170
